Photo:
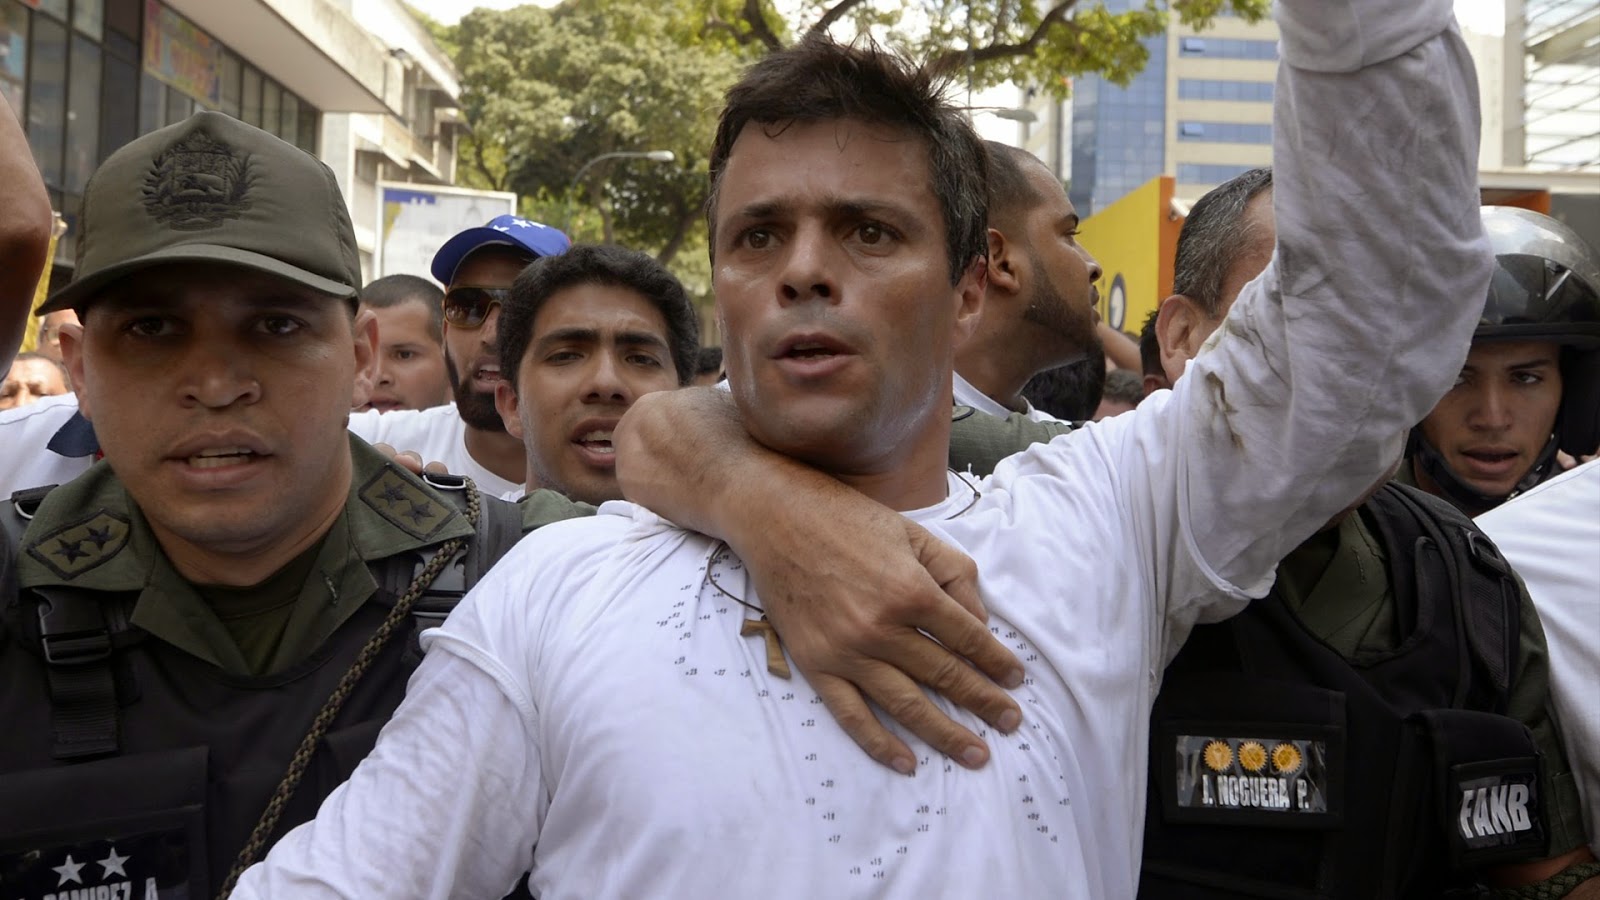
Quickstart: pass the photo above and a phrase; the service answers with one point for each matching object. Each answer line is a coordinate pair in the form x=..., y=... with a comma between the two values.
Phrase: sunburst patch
x=1253, y=756
x=1286, y=759
x=1218, y=755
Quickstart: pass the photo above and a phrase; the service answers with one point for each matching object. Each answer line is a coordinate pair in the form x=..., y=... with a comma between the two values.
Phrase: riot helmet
x=1545, y=287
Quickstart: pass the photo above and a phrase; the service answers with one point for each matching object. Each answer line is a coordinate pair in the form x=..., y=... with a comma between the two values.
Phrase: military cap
x=213, y=189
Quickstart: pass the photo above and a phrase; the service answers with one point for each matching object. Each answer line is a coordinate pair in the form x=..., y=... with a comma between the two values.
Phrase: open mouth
x=596, y=441
x=222, y=456
x=488, y=372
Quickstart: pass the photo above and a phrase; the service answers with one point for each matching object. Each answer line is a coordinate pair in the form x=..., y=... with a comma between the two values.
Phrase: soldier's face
x=220, y=397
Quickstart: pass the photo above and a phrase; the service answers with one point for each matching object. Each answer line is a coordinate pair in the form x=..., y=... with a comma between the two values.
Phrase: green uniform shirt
x=88, y=534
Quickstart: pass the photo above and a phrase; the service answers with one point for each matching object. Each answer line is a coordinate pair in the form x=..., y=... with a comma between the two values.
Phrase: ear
x=1003, y=263
x=365, y=345
x=972, y=287
x=505, y=402
x=1153, y=383
x=1178, y=325
x=71, y=336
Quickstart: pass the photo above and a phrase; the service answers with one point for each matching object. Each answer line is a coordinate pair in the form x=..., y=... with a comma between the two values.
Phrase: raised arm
x=847, y=582
x=25, y=221
x=1358, y=325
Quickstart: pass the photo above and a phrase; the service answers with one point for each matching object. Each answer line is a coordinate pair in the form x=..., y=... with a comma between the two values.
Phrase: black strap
x=77, y=643
x=499, y=527
x=1452, y=561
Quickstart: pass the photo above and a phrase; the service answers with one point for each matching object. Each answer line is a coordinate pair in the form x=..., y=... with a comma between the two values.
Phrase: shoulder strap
x=75, y=638
x=1452, y=561
x=498, y=528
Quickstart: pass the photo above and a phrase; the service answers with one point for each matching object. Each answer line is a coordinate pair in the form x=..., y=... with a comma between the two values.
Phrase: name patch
x=149, y=866
x=1497, y=810
x=1254, y=773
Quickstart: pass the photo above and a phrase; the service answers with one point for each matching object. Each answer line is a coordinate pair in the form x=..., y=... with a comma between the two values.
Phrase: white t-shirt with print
x=591, y=710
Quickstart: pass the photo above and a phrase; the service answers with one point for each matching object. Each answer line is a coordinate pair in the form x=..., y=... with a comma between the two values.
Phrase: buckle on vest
x=66, y=645
x=1486, y=554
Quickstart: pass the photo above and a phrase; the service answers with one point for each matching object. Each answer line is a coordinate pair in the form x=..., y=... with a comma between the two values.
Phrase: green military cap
x=213, y=189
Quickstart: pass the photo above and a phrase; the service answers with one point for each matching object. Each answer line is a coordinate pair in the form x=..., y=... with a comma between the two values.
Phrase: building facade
x=87, y=76
x=1201, y=112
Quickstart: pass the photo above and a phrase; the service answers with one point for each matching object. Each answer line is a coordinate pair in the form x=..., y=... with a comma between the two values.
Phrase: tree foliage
x=547, y=90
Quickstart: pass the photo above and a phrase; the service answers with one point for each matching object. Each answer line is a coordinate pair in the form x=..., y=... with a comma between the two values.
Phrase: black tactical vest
x=131, y=766
x=1280, y=769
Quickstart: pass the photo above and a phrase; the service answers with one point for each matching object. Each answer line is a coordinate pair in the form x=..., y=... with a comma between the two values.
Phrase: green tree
x=987, y=42
x=548, y=90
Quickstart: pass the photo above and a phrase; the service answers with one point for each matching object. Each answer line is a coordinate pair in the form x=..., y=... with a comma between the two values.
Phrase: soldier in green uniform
x=215, y=620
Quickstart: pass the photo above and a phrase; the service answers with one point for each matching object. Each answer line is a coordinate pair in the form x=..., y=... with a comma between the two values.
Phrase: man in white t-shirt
x=468, y=436
x=609, y=709
x=1551, y=535
x=582, y=336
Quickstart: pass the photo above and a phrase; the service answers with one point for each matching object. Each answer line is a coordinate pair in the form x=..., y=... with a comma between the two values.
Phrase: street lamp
x=664, y=156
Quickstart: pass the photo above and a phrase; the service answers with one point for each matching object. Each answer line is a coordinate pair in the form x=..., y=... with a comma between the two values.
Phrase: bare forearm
x=1120, y=349
x=685, y=455
x=25, y=220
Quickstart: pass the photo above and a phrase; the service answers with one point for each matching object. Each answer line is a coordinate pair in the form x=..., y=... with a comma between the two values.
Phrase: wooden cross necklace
x=777, y=663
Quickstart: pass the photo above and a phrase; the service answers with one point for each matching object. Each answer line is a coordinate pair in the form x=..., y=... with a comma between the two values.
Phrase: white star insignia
x=69, y=871
x=500, y=227
x=522, y=223
x=113, y=864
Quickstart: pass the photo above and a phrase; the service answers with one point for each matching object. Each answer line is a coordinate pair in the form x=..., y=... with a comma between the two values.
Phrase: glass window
x=308, y=128
x=271, y=106
x=14, y=54
x=89, y=17
x=179, y=106
x=1192, y=45
x=228, y=88
x=250, y=96
x=47, y=97
x=119, y=104
x=57, y=8
x=290, y=130
x=83, y=114
x=1226, y=132
x=1192, y=129
x=123, y=17
x=152, y=103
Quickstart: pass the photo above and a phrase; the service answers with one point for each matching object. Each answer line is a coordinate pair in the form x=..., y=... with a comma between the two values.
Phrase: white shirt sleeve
x=449, y=803
x=1358, y=325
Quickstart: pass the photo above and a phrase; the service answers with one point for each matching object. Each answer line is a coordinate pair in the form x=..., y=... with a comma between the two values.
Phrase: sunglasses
x=468, y=307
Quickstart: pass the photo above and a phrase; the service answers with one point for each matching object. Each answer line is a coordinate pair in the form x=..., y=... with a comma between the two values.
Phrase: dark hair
x=608, y=265
x=819, y=79
x=710, y=360
x=1123, y=385
x=1150, y=346
x=1010, y=192
x=1070, y=392
x=1212, y=238
x=393, y=290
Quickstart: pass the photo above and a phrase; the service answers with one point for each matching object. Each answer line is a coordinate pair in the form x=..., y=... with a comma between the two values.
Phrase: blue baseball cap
x=512, y=231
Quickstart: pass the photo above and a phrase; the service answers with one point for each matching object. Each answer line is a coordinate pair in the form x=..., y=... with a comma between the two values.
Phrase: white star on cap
x=113, y=863
x=500, y=228
x=522, y=223
x=68, y=871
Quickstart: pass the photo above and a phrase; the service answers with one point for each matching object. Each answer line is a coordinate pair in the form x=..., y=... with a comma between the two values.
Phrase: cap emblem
x=197, y=184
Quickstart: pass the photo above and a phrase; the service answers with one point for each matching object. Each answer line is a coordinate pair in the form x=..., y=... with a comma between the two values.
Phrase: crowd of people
x=311, y=588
